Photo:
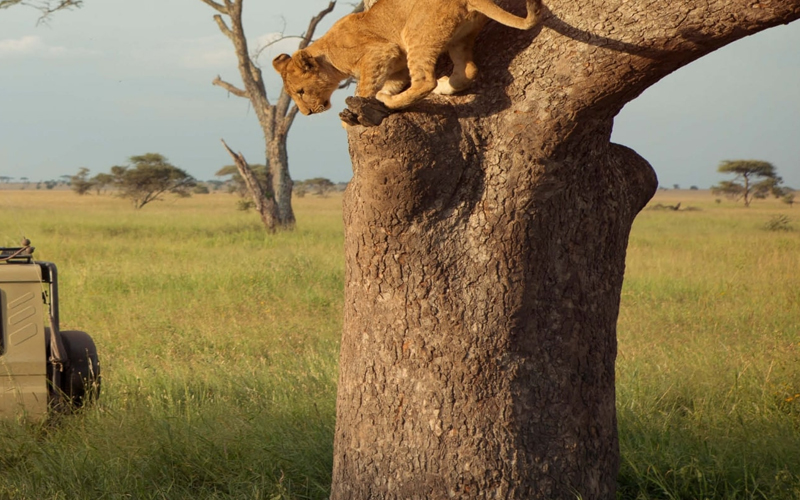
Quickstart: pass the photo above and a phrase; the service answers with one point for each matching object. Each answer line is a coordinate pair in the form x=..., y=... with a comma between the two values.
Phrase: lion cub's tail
x=490, y=9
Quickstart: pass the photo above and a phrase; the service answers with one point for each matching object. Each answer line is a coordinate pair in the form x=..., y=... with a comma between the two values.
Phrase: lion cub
x=393, y=44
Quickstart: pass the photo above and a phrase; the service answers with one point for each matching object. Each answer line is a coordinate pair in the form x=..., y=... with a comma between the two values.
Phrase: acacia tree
x=149, y=178
x=275, y=117
x=80, y=182
x=319, y=186
x=101, y=181
x=485, y=240
x=746, y=185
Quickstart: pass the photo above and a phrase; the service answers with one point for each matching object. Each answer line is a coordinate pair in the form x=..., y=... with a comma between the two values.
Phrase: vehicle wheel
x=81, y=378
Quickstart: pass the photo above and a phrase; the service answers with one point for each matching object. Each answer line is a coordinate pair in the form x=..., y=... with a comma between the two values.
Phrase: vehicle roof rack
x=16, y=254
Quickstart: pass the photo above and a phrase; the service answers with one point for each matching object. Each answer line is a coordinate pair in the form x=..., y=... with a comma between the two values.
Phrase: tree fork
x=485, y=250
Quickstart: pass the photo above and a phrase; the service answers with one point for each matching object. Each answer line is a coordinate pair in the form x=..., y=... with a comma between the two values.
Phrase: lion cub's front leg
x=395, y=84
x=375, y=67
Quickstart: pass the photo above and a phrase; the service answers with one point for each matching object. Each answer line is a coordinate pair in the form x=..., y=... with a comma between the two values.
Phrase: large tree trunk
x=278, y=159
x=485, y=251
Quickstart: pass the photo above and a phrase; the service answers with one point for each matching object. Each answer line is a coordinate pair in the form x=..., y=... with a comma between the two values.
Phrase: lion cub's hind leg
x=464, y=69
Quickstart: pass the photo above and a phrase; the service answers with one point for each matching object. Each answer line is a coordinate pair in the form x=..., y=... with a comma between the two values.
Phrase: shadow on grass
x=673, y=454
x=145, y=453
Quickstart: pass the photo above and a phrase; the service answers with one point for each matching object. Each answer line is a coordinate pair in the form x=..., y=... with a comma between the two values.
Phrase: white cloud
x=22, y=46
x=34, y=46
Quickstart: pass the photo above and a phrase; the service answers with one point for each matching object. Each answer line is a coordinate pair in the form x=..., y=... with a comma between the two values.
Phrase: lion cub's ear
x=304, y=60
x=280, y=62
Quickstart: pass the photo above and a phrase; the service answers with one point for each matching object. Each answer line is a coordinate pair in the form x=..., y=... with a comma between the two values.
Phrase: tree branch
x=265, y=204
x=287, y=122
x=257, y=52
x=223, y=27
x=255, y=71
x=283, y=103
x=312, y=25
x=63, y=4
x=42, y=6
x=219, y=82
x=222, y=9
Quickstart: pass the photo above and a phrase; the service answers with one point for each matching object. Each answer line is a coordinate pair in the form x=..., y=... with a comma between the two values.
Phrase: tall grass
x=709, y=355
x=219, y=345
x=218, y=348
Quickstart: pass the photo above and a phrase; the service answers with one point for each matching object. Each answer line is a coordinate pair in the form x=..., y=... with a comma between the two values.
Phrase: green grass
x=709, y=355
x=219, y=346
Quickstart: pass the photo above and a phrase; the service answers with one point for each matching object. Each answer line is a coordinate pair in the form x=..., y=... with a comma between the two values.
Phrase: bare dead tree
x=275, y=117
x=485, y=241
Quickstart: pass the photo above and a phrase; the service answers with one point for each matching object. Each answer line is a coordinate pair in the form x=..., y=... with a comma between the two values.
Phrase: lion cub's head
x=306, y=81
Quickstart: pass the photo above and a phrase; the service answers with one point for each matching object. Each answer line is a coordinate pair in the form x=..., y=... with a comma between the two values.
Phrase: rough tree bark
x=275, y=119
x=485, y=251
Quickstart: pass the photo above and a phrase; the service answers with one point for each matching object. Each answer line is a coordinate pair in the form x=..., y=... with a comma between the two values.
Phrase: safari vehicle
x=42, y=368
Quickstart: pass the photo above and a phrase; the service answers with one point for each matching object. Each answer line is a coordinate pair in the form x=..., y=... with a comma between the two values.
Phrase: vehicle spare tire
x=81, y=378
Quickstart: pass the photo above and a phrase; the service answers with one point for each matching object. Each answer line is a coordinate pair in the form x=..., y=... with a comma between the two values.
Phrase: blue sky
x=119, y=78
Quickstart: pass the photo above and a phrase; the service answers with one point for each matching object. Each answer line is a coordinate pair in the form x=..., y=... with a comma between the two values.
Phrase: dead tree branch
x=264, y=202
x=223, y=27
x=219, y=82
x=312, y=25
x=222, y=9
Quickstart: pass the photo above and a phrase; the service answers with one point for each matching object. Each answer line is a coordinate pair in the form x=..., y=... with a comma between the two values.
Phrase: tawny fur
x=392, y=49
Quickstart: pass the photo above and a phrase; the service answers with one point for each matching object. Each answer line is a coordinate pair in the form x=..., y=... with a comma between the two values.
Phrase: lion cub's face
x=306, y=81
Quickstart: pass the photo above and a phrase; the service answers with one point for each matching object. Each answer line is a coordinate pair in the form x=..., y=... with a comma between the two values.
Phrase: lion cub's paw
x=348, y=118
x=443, y=87
x=368, y=112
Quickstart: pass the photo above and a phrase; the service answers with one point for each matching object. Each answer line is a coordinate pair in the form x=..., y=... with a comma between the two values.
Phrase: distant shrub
x=245, y=205
x=673, y=208
x=200, y=189
x=778, y=223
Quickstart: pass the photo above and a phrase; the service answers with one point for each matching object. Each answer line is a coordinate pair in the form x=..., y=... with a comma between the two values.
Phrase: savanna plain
x=219, y=349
